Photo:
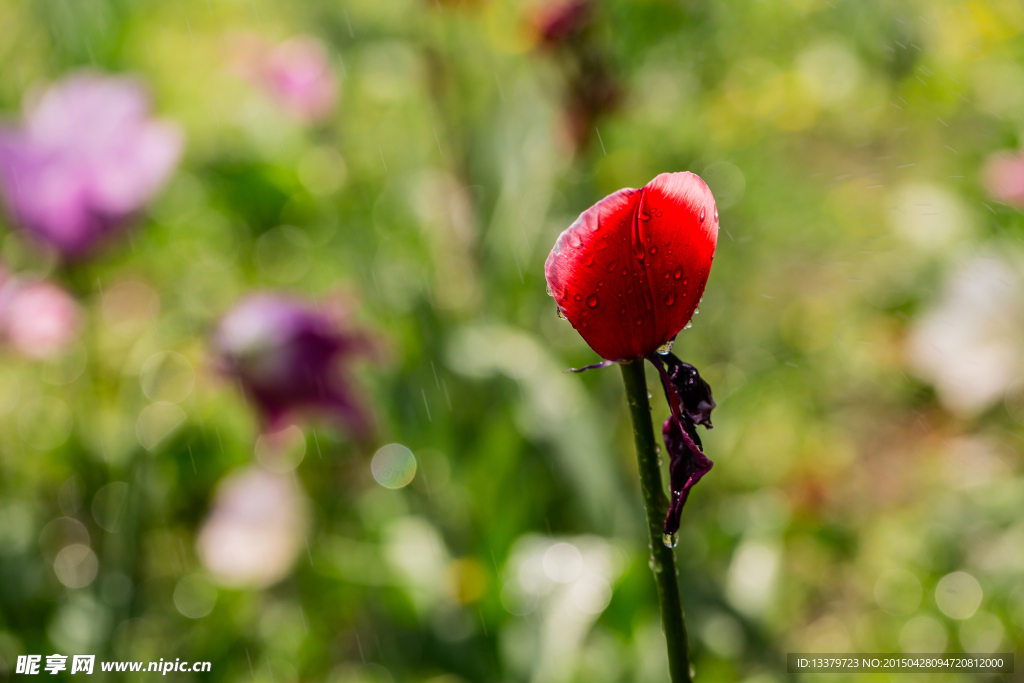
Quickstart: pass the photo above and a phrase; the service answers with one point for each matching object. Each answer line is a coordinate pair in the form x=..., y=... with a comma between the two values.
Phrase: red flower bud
x=629, y=273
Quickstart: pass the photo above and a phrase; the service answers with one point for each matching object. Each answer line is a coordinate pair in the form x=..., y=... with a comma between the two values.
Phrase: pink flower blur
x=86, y=158
x=297, y=74
x=1004, y=178
x=40, y=319
x=254, y=531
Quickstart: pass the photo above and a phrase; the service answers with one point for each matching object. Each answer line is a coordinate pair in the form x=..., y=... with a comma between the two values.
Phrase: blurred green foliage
x=844, y=142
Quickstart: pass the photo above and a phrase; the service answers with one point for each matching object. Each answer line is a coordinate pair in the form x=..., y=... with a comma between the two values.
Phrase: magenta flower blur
x=297, y=74
x=87, y=157
x=289, y=357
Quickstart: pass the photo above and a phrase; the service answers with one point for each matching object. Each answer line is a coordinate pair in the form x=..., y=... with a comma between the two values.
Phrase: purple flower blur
x=287, y=356
x=87, y=157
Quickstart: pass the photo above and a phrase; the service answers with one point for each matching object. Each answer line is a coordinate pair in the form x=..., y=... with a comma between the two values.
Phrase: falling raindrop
x=666, y=349
x=592, y=301
x=670, y=540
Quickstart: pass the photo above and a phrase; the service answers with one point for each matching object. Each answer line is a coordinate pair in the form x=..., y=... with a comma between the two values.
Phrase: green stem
x=663, y=561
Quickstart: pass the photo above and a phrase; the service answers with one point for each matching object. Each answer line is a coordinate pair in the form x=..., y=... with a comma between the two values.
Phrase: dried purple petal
x=689, y=398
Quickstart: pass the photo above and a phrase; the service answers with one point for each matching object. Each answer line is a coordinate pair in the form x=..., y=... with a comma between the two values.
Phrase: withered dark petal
x=689, y=398
x=693, y=391
x=687, y=464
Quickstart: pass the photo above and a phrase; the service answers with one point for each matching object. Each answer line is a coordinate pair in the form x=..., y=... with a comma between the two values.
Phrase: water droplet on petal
x=560, y=314
x=688, y=326
x=686, y=280
x=588, y=260
x=666, y=348
x=639, y=322
x=575, y=242
x=611, y=266
x=578, y=297
x=592, y=301
x=550, y=293
x=654, y=250
x=670, y=298
x=702, y=213
x=622, y=311
x=654, y=565
x=670, y=540
x=679, y=273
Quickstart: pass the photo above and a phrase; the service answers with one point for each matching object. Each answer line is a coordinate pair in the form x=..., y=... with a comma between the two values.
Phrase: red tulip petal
x=630, y=271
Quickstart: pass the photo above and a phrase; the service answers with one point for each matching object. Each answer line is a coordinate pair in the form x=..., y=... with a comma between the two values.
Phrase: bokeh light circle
x=195, y=596
x=76, y=566
x=958, y=595
x=393, y=466
x=898, y=592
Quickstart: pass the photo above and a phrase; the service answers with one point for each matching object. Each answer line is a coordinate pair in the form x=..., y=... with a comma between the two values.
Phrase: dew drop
x=644, y=216
x=702, y=211
x=611, y=266
x=667, y=276
x=625, y=272
x=622, y=311
x=666, y=349
x=592, y=301
x=686, y=280
x=550, y=293
x=716, y=214
x=688, y=326
x=679, y=273
x=600, y=284
x=575, y=242
x=670, y=298
x=670, y=540
x=654, y=250
x=654, y=565
x=578, y=297
x=588, y=260
x=560, y=314
x=639, y=322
